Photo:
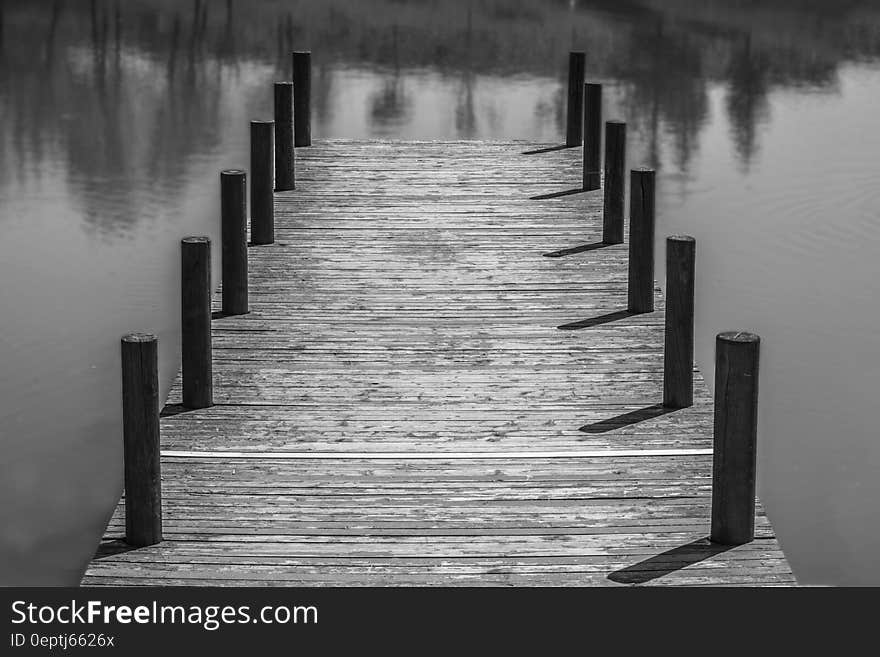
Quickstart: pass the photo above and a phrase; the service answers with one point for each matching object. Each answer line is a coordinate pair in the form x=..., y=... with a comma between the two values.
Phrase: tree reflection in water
x=115, y=129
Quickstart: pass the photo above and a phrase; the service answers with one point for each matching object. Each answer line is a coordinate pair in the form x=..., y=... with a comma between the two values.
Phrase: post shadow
x=627, y=419
x=582, y=248
x=548, y=149
x=109, y=548
x=170, y=410
x=668, y=562
x=566, y=192
x=597, y=321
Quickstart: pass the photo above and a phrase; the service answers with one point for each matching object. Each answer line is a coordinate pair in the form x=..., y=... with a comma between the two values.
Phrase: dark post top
x=139, y=337
x=738, y=336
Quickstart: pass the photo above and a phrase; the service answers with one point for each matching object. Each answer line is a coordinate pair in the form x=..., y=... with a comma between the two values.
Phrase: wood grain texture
x=195, y=325
x=577, y=62
x=302, y=98
x=735, y=431
x=233, y=225
x=614, y=187
x=262, y=177
x=678, y=351
x=285, y=177
x=641, y=246
x=140, y=424
x=592, y=136
x=411, y=304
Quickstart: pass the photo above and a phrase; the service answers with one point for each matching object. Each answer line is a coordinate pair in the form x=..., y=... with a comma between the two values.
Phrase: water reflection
x=82, y=83
x=117, y=116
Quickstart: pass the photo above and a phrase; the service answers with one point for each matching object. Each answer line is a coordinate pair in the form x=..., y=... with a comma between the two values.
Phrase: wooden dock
x=438, y=384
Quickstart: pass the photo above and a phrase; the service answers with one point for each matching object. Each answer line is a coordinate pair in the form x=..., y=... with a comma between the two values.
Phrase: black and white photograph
x=416, y=293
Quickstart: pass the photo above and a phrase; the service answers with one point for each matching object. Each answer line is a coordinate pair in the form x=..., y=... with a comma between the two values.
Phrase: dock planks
x=411, y=308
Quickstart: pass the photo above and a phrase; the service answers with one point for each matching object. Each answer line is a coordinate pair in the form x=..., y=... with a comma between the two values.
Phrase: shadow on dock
x=566, y=192
x=170, y=410
x=668, y=562
x=549, y=149
x=627, y=419
x=111, y=547
x=597, y=321
x=583, y=248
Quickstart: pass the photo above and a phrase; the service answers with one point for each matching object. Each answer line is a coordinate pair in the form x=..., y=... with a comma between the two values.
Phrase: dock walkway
x=437, y=385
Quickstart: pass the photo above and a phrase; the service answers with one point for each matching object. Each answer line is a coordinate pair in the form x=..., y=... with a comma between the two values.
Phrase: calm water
x=761, y=117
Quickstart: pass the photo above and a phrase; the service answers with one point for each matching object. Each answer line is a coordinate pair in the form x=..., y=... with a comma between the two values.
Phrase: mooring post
x=641, y=242
x=262, y=183
x=592, y=136
x=233, y=242
x=302, y=98
x=615, y=182
x=195, y=329
x=678, y=350
x=735, y=439
x=284, y=151
x=576, y=74
x=140, y=431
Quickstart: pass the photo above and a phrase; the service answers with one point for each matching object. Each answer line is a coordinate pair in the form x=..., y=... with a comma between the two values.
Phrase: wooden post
x=592, y=136
x=233, y=217
x=615, y=182
x=678, y=351
x=140, y=430
x=284, y=152
x=735, y=441
x=641, y=241
x=262, y=183
x=576, y=74
x=195, y=329
x=302, y=98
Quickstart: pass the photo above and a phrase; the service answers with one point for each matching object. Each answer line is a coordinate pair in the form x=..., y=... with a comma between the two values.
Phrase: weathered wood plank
x=412, y=303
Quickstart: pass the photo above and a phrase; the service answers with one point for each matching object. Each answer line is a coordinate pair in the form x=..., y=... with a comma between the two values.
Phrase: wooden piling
x=678, y=351
x=640, y=288
x=576, y=74
x=195, y=311
x=262, y=183
x=140, y=429
x=592, y=136
x=615, y=182
x=735, y=438
x=233, y=217
x=302, y=98
x=284, y=150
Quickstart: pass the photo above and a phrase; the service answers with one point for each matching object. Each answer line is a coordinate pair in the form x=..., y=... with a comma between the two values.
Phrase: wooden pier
x=438, y=383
